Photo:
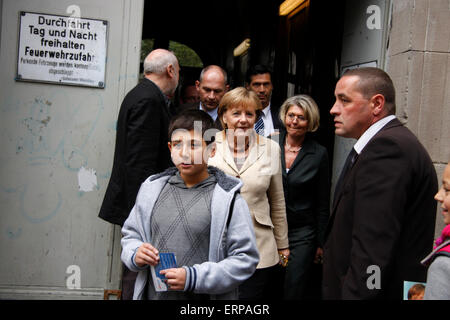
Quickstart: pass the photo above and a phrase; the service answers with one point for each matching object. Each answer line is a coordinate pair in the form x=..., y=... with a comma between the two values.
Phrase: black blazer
x=140, y=151
x=277, y=124
x=307, y=186
x=384, y=217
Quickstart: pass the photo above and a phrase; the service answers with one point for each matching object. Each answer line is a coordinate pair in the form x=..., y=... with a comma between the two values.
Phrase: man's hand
x=176, y=278
x=146, y=254
x=318, y=258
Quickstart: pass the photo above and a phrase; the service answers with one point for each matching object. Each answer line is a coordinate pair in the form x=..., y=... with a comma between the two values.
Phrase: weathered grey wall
x=419, y=63
x=47, y=133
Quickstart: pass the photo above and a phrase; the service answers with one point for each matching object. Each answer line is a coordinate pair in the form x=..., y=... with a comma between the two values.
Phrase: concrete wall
x=418, y=60
x=47, y=134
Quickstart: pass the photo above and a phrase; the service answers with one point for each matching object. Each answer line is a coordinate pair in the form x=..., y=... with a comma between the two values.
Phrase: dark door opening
x=307, y=59
x=303, y=48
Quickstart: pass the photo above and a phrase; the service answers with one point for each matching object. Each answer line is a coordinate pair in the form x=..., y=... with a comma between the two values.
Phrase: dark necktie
x=349, y=162
x=259, y=126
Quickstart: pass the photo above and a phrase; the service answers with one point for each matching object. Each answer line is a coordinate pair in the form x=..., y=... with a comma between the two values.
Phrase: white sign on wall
x=60, y=49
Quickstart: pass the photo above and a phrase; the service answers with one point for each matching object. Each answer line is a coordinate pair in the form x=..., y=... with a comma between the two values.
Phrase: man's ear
x=197, y=85
x=170, y=146
x=377, y=102
x=212, y=149
x=227, y=87
x=170, y=71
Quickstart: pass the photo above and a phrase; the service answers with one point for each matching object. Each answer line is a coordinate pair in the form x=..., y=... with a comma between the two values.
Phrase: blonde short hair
x=239, y=96
x=308, y=105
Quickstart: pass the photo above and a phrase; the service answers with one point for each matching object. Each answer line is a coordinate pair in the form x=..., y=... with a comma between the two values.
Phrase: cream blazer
x=263, y=191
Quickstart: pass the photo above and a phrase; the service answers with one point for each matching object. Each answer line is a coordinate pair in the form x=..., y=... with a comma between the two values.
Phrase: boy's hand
x=176, y=278
x=146, y=254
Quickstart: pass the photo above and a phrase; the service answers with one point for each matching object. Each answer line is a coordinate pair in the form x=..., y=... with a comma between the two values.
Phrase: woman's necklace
x=291, y=149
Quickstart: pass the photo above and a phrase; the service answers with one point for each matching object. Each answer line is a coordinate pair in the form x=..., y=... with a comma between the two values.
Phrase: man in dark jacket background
x=211, y=87
x=259, y=80
x=141, y=141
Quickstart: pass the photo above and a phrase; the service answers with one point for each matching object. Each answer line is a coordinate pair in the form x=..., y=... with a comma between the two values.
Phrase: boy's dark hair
x=256, y=69
x=186, y=120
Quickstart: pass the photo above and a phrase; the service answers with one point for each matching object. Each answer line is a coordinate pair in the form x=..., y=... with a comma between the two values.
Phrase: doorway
x=308, y=57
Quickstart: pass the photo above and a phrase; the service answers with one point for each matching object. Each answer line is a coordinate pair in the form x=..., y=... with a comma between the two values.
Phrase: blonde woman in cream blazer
x=255, y=160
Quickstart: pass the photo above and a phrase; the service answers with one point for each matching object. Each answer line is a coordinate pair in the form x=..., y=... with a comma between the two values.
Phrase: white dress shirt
x=267, y=119
x=369, y=133
x=212, y=113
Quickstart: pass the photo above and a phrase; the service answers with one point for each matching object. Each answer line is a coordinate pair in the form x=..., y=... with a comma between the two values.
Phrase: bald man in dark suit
x=211, y=87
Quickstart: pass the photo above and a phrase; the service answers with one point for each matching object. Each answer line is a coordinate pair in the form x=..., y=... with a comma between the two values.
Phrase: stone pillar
x=418, y=60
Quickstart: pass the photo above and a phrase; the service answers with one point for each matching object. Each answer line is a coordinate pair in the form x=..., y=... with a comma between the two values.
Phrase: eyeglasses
x=292, y=116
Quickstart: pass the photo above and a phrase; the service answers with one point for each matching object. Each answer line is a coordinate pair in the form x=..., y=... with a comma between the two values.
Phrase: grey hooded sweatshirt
x=233, y=255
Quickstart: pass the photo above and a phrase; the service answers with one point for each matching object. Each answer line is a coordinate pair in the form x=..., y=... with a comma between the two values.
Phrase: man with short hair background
x=211, y=87
x=259, y=79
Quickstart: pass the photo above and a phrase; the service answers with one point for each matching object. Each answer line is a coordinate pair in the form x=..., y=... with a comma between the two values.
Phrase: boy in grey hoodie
x=196, y=212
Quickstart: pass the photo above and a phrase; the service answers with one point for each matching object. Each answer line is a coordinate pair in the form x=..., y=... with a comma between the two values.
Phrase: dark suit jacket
x=307, y=186
x=196, y=106
x=141, y=149
x=384, y=216
x=277, y=124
